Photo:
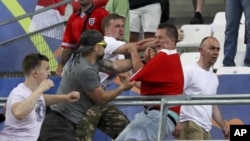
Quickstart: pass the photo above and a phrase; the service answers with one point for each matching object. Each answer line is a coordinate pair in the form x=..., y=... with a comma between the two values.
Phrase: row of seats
x=188, y=58
x=193, y=34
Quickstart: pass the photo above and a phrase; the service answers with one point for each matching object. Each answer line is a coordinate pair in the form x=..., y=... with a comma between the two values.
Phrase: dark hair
x=88, y=40
x=171, y=30
x=107, y=19
x=31, y=61
x=90, y=37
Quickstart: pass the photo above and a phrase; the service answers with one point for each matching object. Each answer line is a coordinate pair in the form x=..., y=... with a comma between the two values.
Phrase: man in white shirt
x=25, y=108
x=199, y=79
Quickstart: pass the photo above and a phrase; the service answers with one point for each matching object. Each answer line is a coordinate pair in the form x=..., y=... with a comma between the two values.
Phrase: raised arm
x=140, y=46
x=53, y=99
x=116, y=66
x=21, y=109
x=136, y=59
x=99, y=96
x=143, y=44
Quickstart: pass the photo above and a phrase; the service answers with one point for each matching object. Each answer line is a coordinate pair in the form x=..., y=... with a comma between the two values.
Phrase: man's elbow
x=19, y=115
x=101, y=101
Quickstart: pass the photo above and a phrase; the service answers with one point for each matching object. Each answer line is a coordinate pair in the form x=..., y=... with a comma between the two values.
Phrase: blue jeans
x=234, y=9
x=145, y=127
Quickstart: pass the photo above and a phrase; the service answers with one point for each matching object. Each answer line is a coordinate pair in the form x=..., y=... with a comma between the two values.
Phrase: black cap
x=90, y=37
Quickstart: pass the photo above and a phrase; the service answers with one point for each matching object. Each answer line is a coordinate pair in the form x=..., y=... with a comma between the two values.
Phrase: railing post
x=164, y=112
x=163, y=121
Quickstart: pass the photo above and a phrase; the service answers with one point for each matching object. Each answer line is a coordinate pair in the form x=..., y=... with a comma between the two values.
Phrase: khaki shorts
x=191, y=131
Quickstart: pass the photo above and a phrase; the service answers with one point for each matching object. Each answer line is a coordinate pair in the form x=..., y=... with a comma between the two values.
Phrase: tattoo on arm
x=106, y=66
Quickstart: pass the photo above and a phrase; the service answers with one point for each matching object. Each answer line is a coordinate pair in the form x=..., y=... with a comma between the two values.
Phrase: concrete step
x=181, y=11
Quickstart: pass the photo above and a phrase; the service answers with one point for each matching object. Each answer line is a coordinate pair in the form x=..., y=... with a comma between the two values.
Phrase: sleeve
x=112, y=44
x=110, y=6
x=16, y=96
x=90, y=78
x=119, y=7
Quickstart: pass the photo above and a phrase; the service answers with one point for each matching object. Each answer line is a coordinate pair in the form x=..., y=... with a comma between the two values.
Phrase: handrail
x=193, y=97
x=139, y=99
x=169, y=101
x=165, y=103
x=35, y=12
x=181, y=102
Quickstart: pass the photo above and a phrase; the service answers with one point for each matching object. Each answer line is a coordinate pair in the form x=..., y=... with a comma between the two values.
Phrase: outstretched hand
x=131, y=47
x=146, y=43
x=127, y=84
x=124, y=75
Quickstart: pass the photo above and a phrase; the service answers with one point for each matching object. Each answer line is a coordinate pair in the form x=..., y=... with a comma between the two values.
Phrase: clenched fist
x=45, y=85
x=73, y=96
x=149, y=54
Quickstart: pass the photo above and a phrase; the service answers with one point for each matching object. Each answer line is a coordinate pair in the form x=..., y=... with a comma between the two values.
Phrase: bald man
x=199, y=79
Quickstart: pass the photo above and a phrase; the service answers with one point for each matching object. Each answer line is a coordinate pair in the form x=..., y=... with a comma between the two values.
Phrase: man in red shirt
x=161, y=75
x=89, y=17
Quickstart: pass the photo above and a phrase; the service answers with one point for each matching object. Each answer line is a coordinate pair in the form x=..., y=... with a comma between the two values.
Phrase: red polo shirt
x=162, y=75
x=74, y=27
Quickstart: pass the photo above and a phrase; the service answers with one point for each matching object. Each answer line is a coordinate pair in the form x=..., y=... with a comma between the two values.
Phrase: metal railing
x=33, y=40
x=39, y=40
x=168, y=101
x=35, y=12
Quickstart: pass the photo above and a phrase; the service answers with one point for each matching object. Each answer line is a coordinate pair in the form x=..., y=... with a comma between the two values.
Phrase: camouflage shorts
x=109, y=120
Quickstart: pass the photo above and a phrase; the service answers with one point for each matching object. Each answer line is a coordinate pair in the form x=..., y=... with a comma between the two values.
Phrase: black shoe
x=197, y=19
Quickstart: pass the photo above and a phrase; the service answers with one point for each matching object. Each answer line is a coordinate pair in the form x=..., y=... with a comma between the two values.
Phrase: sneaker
x=197, y=19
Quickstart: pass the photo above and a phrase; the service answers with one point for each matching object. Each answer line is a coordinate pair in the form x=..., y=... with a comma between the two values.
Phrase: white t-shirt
x=112, y=45
x=27, y=129
x=198, y=81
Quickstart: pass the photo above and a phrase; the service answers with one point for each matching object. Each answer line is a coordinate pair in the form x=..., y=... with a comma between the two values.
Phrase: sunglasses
x=102, y=43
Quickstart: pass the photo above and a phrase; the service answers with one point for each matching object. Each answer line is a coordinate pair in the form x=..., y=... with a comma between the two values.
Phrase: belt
x=146, y=108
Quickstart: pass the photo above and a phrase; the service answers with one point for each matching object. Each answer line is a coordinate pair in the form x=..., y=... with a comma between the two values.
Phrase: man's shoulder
x=191, y=67
x=109, y=39
x=99, y=9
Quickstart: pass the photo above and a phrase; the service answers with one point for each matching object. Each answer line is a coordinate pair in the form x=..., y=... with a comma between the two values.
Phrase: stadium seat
x=193, y=34
x=219, y=20
x=233, y=70
x=188, y=58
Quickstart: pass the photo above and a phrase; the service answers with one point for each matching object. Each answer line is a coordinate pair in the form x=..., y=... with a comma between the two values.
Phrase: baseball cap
x=90, y=38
